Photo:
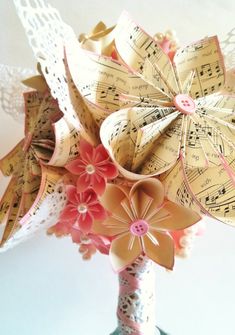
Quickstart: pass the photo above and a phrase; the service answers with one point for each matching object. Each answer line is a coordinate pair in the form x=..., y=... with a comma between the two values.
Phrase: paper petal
x=83, y=182
x=76, y=166
x=111, y=200
x=163, y=253
x=206, y=60
x=85, y=222
x=71, y=192
x=86, y=150
x=153, y=188
x=124, y=251
x=174, y=217
x=97, y=212
x=100, y=154
x=98, y=183
x=108, y=170
x=69, y=213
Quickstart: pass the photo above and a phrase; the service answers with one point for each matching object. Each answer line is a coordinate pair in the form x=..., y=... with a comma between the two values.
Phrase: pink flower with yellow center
x=93, y=167
x=140, y=223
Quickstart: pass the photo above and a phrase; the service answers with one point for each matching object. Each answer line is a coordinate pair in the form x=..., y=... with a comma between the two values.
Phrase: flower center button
x=184, y=103
x=139, y=227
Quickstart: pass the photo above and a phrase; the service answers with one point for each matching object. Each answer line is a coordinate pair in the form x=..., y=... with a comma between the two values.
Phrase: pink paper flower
x=90, y=243
x=82, y=209
x=93, y=167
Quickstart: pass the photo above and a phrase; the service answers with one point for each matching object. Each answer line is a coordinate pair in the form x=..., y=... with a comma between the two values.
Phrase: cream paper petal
x=160, y=248
x=209, y=190
x=214, y=190
x=204, y=58
x=166, y=150
x=112, y=201
x=141, y=52
x=119, y=135
x=173, y=217
x=105, y=84
x=35, y=205
x=124, y=250
x=195, y=153
x=153, y=189
x=176, y=187
x=110, y=227
x=100, y=40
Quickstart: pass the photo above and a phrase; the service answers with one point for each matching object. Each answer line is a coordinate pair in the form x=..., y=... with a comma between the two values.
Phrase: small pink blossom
x=93, y=168
x=90, y=243
x=82, y=209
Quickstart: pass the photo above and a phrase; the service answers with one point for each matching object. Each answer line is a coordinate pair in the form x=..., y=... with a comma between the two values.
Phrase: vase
x=136, y=302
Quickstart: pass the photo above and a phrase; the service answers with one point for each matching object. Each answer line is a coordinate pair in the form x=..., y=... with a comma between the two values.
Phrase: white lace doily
x=228, y=48
x=47, y=34
x=47, y=215
x=11, y=90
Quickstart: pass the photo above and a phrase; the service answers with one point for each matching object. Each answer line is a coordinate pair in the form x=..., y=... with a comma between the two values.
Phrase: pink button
x=139, y=227
x=184, y=104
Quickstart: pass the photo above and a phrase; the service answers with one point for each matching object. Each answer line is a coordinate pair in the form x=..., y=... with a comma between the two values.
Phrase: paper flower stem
x=136, y=302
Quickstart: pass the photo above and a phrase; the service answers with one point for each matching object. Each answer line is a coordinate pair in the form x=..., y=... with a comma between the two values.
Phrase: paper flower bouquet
x=129, y=140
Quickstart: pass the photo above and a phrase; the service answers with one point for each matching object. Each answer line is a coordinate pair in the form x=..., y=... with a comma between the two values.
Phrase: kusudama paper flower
x=93, y=167
x=82, y=208
x=140, y=221
x=27, y=164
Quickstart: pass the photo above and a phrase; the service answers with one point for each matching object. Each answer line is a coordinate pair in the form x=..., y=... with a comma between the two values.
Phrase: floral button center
x=82, y=208
x=184, y=103
x=90, y=169
x=139, y=227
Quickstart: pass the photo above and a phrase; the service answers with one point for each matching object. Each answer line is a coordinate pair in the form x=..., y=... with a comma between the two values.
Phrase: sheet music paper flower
x=140, y=221
x=177, y=116
x=27, y=164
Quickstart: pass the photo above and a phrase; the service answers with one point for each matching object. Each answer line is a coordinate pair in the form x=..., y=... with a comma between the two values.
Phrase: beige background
x=45, y=287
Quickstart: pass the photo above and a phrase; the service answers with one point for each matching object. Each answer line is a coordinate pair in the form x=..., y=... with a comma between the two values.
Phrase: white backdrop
x=45, y=287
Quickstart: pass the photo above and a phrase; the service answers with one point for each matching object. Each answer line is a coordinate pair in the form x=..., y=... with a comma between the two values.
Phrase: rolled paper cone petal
x=124, y=250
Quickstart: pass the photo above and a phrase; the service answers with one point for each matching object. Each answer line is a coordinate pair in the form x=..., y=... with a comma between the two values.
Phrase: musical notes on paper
x=210, y=190
x=49, y=140
x=143, y=54
x=204, y=58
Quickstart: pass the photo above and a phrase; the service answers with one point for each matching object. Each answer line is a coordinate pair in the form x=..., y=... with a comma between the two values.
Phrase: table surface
x=45, y=287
